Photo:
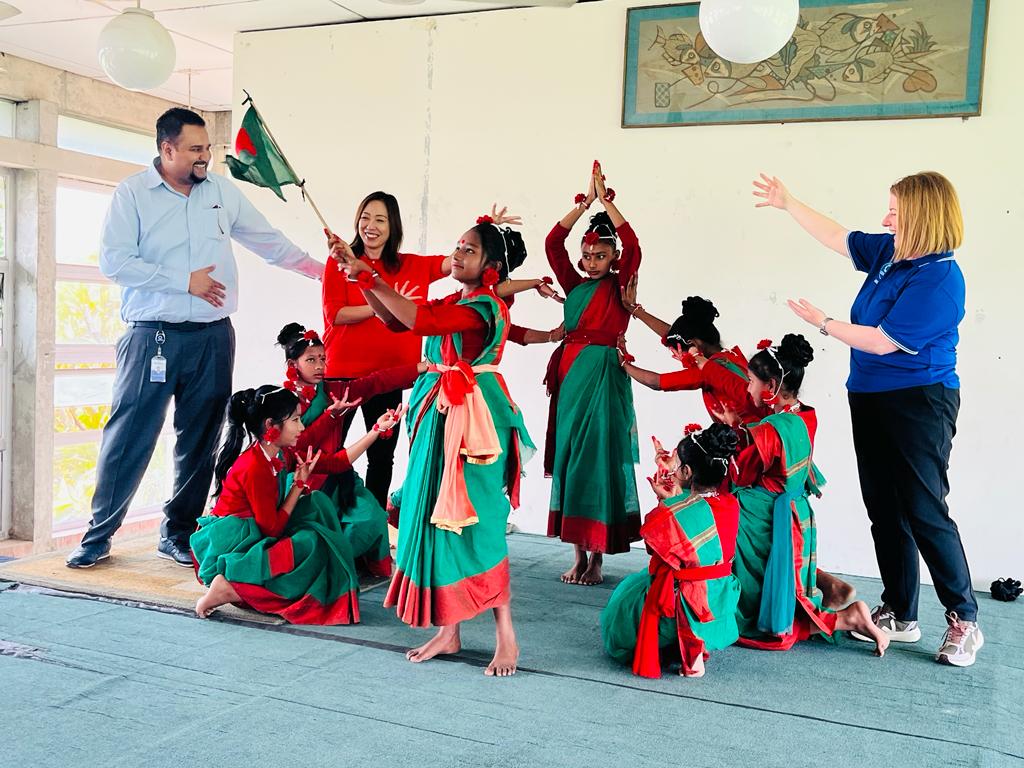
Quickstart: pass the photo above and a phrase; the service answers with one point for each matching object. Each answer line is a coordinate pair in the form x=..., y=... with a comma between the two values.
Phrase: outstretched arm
x=773, y=193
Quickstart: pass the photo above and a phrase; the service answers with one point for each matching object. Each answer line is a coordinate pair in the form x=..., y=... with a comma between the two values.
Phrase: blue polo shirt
x=917, y=304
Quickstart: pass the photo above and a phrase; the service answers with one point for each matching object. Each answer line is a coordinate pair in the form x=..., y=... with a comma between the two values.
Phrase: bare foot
x=506, y=654
x=698, y=668
x=446, y=642
x=835, y=593
x=857, y=617
x=592, y=576
x=220, y=593
x=572, y=576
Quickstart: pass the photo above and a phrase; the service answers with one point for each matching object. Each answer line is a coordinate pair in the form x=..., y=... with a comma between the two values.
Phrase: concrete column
x=35, y=279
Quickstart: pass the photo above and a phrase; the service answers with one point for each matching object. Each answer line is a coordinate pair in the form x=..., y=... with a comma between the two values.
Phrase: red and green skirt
x=307, y=576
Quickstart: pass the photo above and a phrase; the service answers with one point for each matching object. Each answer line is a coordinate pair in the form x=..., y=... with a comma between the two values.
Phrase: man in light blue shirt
x=167, y=243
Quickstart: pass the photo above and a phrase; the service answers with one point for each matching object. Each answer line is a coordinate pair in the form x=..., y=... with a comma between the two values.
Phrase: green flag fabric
x=259, y=160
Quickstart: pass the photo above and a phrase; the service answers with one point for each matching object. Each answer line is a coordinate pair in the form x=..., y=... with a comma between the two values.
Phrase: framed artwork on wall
x=852, y=60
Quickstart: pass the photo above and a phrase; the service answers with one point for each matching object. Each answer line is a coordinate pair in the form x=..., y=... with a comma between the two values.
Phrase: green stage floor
x=90, y=683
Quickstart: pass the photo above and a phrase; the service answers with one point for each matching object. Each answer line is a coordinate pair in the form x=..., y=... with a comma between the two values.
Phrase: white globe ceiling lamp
x=748, y=31
x=136, y=51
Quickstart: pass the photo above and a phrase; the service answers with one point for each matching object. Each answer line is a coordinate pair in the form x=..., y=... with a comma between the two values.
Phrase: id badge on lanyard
x=158, y=363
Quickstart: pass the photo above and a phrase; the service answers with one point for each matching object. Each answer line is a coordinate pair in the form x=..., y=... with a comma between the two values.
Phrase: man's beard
x=197, y=179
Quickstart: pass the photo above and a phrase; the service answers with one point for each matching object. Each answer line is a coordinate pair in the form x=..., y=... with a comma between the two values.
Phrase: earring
x=579, y=265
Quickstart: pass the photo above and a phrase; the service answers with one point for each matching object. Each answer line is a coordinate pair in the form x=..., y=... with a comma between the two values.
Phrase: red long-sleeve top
x=251, y=486
x=718, y=385
x=324, y=434
x=604, y=312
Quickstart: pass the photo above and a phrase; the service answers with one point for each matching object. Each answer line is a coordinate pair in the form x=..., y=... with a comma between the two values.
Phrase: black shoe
x=171, y=550
x=87, y=556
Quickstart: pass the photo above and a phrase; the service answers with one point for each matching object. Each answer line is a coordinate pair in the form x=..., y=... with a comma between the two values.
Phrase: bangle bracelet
x=637, y=308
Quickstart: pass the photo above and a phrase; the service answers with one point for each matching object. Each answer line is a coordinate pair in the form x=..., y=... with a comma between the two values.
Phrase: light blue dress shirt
x=154, y=237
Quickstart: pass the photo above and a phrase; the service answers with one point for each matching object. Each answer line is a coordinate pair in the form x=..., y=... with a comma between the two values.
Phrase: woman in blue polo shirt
x=904, y=394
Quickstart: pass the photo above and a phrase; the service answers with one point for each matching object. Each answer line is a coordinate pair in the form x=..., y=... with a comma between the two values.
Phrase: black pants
x=380, y=457
x=903, y=440
x=199, y=365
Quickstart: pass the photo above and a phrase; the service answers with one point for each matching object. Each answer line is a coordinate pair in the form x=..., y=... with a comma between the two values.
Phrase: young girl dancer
x=468, y=444
x=776, y=548
x=269, y=543
x=322, y=405
x=684, y=603
x=591, y=438
x=720, y=374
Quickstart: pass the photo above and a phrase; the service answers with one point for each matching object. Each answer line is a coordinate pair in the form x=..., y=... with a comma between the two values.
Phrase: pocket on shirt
x=215, y=224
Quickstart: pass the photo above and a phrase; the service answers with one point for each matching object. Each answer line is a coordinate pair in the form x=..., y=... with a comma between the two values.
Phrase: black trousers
x=380, y=457
x=903, y=440
x=200, y=360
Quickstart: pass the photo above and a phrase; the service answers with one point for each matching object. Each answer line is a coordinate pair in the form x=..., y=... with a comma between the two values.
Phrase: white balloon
x=748, y=31
x=136, y=51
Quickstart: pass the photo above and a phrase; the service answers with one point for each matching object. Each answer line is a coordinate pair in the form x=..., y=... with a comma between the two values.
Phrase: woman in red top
x=720, y=374
x=357, y=343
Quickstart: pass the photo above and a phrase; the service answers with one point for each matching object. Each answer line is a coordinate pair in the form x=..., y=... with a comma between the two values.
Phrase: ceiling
x=63, y=33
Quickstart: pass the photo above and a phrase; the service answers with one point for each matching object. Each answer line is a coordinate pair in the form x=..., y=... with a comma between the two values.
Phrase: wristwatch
x=821, y=328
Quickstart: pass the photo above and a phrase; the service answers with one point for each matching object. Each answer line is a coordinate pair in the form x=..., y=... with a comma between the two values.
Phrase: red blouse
x=251, y=487
x=718, y=385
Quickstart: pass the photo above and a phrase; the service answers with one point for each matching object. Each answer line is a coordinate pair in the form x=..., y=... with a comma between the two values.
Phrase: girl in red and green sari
x=323, y=404
x=720, y=374
x=684, y=603
x=271, y=543
x=468, y=445
x=591, y=444
x=777, y=545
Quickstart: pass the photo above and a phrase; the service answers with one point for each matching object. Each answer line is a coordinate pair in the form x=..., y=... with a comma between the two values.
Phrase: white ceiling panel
x=63, y=33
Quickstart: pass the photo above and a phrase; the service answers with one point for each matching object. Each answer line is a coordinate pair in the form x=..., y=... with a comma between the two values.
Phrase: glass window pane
x=88, y=313
x=74, y=481
x=81, y=209
x=105, y=141
x=7, y=118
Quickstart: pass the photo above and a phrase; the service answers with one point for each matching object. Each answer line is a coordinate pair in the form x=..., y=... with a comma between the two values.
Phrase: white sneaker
x=961, y=643
x=897, y=631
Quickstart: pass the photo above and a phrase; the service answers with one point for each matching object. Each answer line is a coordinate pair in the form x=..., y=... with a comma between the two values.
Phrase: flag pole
x=302, y=185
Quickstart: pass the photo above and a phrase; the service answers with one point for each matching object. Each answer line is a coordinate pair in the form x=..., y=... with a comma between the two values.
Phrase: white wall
x=455, y=112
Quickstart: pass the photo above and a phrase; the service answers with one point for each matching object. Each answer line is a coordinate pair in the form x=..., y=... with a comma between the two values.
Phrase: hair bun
x=698, y=311
x=796, y=349
x=719, y=441
x=290, y=334
x=602, y=220
x=515, y=248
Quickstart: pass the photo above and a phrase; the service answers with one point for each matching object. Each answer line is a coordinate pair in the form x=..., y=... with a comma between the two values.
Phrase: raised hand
x=665, y=488
x=627, y=294
x=771, y=192
x=548, y=292
x=410, y=292
x=389, y=419
x=726, y=415
x=304, y=467
x=338, y=407
x=598, y=180
x=807, y=312
x=504, y=217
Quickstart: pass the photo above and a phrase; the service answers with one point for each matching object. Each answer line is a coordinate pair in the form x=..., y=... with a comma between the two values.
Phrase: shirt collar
x=931, y=258
x=153, y=177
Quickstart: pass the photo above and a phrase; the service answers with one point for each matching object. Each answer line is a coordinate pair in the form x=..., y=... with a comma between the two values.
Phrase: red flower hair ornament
x=692, y=429
x=272, y=434
x=764, y=343
x=311, y=336
x=489, y=277
x=484, y=220
x=591, y=238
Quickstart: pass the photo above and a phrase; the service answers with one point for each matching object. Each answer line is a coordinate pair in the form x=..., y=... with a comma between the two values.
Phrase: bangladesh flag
x=259, y=160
